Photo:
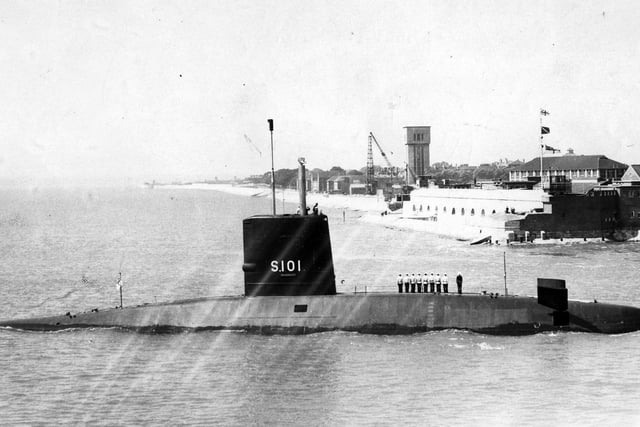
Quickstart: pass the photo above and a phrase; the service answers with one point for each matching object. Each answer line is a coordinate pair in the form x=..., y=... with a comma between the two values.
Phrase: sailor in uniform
x=445, y=284
x=413, y=283
x=419, y=283
x=400, y=281
x=407, y=282
x=438, y=283
x=432, y=283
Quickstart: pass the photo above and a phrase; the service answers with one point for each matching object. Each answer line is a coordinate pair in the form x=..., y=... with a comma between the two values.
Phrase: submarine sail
x=287, y=255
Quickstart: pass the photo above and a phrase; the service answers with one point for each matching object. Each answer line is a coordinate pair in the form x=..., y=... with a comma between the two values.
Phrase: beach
x=363, y=203
x=372, y=209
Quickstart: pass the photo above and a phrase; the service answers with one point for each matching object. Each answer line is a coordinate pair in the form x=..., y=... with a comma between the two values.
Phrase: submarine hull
x=365, y=313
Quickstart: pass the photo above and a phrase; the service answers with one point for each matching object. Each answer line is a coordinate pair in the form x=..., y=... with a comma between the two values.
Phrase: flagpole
x=541, y=154
x=541, y=149
x=543, y=130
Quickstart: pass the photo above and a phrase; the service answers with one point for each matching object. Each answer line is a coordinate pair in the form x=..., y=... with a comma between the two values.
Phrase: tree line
x=463, y=174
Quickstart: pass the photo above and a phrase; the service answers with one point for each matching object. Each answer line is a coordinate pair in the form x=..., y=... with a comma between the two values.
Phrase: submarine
x=289, y=288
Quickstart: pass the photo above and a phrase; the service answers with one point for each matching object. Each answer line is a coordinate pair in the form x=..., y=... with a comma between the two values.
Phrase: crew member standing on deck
x=413, y=283
x=445, y=284
x=432, y=283
x=407, y=282
x=419, y=283
x=459, y=282
x=438, y=283
x=400, y=283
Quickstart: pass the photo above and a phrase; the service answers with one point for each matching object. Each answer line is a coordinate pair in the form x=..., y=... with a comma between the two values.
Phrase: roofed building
x=338, y=184
x=319, y=180
x=632, y=175
x=582, y=171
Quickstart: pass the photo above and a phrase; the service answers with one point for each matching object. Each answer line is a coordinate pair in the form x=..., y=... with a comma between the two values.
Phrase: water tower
x=418, y=140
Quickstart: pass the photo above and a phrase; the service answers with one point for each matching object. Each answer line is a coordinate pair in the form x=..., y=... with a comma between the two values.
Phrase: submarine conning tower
x=288, y=254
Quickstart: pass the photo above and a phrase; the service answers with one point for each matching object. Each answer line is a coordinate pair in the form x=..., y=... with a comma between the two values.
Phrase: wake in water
x=71, y=292
x=85, y=281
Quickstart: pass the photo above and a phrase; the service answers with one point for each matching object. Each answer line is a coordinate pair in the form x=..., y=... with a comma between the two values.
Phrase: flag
x=545, y=130
x=550, y=148
x=544, y=112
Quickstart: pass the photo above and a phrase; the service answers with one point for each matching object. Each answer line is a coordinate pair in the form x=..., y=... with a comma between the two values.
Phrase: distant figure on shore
x=298, y=210
x=445, y=283
x=407, y=282
x=315, y=209
x=400, y=281
x=459, y=282
x=438, y=283
x=432, y=283
x=419, y=283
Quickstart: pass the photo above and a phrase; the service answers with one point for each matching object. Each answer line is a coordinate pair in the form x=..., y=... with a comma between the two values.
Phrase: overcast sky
x=129, y=91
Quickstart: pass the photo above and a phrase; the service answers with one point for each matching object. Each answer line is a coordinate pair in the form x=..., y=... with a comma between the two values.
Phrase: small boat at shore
x=486, y=239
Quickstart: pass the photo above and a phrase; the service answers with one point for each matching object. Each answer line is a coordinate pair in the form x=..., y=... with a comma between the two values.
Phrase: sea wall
x=470, y=214
x=472, y=202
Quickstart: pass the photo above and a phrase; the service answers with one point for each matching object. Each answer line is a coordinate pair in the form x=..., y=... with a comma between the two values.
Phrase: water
x=61, y=251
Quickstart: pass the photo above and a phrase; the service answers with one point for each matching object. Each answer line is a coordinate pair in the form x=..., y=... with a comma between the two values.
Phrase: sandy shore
x=370, y=204
x=372, y=208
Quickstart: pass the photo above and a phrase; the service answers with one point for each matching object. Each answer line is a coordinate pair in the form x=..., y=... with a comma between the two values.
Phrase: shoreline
x=362, y=203
x=373, y=208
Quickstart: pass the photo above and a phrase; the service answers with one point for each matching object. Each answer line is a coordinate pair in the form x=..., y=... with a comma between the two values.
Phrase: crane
x=413, y=174
x=389, y=171
x=389, y=165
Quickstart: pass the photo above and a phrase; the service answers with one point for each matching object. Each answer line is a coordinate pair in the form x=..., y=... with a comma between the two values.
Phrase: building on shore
x=418, y=139
x=584, y=172
x=632, y=175
x=580, y=197
x=319, y=180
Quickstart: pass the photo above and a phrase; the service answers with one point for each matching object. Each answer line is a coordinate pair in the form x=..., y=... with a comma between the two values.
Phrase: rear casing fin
x=287, y=255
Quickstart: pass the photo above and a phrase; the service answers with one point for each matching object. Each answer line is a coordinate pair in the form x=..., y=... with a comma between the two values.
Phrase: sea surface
x=61, y=250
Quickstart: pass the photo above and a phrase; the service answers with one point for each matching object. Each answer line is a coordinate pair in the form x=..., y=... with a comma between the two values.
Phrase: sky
x=124, y=92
